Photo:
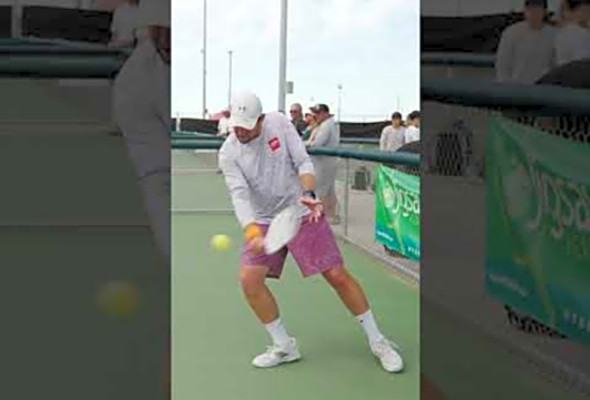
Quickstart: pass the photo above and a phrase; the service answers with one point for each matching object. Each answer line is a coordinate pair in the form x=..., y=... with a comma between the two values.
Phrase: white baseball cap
x=154, y=13
x=246, y=108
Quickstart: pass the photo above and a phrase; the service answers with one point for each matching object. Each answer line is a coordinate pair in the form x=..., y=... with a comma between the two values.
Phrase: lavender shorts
x=314, y=249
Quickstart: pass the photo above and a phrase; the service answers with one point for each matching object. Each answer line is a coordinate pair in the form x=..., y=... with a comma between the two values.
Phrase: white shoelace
x=382, y=345
x=276, y=350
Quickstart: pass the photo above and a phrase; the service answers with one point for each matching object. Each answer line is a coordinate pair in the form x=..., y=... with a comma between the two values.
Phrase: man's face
x=397, y=122
x=247, y=135
x=534, y=15
x=322, y=116
x=296, y=112
x=161, y=37
x=416, y=122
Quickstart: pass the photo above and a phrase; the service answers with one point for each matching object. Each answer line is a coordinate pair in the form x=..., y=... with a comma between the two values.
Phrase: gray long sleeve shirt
x=262, y=176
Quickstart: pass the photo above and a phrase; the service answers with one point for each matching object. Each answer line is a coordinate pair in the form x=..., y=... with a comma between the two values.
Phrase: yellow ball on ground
x=118, y=299
x=221, y=242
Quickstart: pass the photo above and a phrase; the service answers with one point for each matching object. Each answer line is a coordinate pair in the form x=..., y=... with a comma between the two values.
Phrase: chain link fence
x=454, y=184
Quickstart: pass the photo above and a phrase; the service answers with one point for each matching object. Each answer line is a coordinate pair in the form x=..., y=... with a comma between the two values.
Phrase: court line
x=189, y=171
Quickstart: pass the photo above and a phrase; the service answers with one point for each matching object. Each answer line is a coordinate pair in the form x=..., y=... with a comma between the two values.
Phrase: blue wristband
x=310, y=193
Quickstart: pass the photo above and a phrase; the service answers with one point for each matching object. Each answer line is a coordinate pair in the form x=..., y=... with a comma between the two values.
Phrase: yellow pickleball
x=221, y=242
x=118, y=299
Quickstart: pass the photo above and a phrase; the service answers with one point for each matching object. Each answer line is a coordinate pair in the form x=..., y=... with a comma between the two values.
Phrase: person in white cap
x=142, y=110
x=267, y=168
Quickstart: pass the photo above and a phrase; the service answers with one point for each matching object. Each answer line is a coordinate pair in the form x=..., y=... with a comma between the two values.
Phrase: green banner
x=538, y=226
x=397, y=222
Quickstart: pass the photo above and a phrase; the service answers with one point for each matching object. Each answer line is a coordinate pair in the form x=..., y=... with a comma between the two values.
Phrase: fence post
x=17, y=15
x=346, y=195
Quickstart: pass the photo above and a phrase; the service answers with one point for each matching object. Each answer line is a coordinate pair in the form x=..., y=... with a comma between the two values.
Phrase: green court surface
x=52, y=328
x=68, y=179
x=215, y=335
x=72, y=220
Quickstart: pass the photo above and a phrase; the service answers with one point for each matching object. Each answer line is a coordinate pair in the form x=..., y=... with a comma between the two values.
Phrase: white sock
x=277, y=332
x=367, y=321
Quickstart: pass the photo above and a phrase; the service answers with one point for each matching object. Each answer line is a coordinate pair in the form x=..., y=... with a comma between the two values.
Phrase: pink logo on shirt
x=274, y=144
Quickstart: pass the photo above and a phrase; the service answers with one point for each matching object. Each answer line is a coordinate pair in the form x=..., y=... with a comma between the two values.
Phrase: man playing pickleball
x=266, y=169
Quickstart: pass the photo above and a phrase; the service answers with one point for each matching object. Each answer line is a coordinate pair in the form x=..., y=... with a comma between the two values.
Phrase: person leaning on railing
x=326, y=134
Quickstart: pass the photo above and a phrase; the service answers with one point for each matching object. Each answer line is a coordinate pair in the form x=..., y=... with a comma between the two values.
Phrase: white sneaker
x=276, y=355
x=386, y=352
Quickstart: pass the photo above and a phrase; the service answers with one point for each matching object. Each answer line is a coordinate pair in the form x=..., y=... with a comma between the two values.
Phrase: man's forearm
x=307, y=182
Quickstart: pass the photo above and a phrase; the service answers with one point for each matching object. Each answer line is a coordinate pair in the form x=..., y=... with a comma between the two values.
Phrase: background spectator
x=412, y=132
x=572, y=41
x=327, y=134
x=125, y=30
x=297, y=118
x=564, y=14
x=312, y=124
x=223, y=128
x=525, y=52
x=393, y=136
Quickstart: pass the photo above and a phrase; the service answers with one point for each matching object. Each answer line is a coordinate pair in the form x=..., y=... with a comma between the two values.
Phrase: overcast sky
x=371, y=47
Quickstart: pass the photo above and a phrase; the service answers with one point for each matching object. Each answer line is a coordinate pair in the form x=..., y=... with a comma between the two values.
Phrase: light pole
x=230, y=54
x=204, y=58
x=339, y=100
x=283, y=56
x=16, y=18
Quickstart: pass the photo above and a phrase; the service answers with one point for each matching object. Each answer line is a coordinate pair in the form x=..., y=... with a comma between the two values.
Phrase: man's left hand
x=316, y=207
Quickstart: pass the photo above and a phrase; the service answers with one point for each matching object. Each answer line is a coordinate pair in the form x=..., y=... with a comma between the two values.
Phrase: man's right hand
x=257, y=245
x=255, y=238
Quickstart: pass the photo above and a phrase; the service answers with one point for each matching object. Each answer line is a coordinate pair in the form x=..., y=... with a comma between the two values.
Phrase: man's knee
x=338, y=277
